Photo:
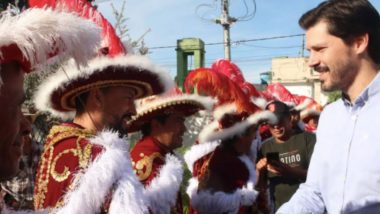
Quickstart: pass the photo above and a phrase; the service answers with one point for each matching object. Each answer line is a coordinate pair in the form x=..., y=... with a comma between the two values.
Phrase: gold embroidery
x=144, y=166
x=47, y=165
x=66, y=173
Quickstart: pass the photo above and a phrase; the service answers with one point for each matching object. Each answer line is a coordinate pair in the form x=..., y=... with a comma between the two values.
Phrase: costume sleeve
x=308, y=198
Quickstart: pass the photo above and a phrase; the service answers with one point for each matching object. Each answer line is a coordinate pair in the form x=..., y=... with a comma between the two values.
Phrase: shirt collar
x=371, y=90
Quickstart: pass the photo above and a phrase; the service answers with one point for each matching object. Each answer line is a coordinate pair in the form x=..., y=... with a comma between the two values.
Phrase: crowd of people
x=262, y=152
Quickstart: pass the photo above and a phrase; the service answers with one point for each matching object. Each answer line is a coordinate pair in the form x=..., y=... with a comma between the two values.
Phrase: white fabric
x=111, y=170
x=163, y=189
x=212, y=132
x=40, y=32
x=209, y=202
x=198, y=151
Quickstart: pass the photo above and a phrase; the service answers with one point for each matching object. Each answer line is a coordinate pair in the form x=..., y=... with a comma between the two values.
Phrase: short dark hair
x=348, y=19
x=81, y=100
x=146, y=129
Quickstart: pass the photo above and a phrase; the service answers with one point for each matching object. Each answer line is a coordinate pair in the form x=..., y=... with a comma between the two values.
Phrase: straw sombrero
x=148, y=108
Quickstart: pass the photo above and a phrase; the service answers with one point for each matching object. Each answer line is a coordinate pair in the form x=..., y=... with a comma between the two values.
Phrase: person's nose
x=313, y=60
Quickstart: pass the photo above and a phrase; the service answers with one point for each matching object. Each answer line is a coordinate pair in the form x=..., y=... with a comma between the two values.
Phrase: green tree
x=333, y=96
x=18, y=3
x=122, y=30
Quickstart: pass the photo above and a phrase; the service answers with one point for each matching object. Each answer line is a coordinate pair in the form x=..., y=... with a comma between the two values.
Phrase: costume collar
x=162, y=147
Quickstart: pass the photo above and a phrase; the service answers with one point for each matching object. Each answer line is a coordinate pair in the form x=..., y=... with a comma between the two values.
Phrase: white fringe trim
x=112, y=169
x=69, y=73
x=198, y=151
x=220, y=202
x=211, y=133
x=303, y=105
x=224, y=109
x=40, y=32
x=260, y=102
x=163, y=190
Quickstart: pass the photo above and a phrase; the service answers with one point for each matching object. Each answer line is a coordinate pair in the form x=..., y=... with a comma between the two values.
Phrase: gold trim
x=47, y=165
x=146, y=163
x=162, y=106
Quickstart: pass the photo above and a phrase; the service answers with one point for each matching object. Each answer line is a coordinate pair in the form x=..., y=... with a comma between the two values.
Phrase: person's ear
x=361, y=43
x=97, y=96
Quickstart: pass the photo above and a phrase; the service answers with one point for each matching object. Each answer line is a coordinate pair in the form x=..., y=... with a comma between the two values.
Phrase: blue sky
x=170, y=20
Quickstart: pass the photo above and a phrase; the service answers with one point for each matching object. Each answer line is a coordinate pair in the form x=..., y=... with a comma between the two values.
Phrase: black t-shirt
x=294, y=152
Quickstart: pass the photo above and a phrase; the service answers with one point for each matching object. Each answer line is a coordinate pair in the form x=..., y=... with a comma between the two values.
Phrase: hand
x=262, y=164
x=278, y=168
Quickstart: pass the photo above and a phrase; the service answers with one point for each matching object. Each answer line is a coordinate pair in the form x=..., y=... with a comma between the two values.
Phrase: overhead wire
x=237, y=41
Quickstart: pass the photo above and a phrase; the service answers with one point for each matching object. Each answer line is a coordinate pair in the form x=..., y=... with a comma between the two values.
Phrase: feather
x=207, y=81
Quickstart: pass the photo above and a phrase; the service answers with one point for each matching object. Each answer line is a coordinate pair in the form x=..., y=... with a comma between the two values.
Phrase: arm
x=262, y=186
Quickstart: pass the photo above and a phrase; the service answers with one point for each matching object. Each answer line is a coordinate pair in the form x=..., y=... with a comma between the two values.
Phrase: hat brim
x=212, y=132
x=58, y=93
x=187, y=105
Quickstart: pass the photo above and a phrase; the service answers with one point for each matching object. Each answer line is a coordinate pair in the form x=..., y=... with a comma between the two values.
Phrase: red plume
x=214, y=84
x=112, y=43
x=282, y=94
x=233, y=72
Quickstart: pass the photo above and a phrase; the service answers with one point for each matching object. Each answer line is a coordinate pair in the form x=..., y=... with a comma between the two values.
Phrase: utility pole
x=226, y=21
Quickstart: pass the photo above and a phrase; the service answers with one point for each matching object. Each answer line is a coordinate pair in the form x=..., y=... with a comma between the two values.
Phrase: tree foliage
x=18, y=3
x=122, y=30
x=333, y=96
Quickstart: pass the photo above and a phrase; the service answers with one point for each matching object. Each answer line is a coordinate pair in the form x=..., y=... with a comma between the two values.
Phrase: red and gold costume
x=67, y=151
x=148, y=157
x=221, y=170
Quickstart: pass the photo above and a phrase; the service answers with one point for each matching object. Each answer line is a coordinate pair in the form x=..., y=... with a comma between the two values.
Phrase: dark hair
x=348, y=19
x=146, y=129
x=81, y=100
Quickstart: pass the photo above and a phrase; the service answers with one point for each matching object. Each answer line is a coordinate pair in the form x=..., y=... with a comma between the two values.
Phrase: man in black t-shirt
x=284, y=158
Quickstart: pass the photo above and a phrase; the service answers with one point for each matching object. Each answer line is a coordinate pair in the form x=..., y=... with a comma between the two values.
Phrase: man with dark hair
x=343, y=38
x=284, y=158
x=95, y=105
x=162, y=122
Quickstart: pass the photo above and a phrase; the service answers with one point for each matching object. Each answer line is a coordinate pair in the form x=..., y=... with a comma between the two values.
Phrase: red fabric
x=264, y=132
x=66, y=160
x=113, y=44
x=215, y=84
x=12, y=53
x=148, y=146
x=233, y=72
x=279, y=91
x=226, y=164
